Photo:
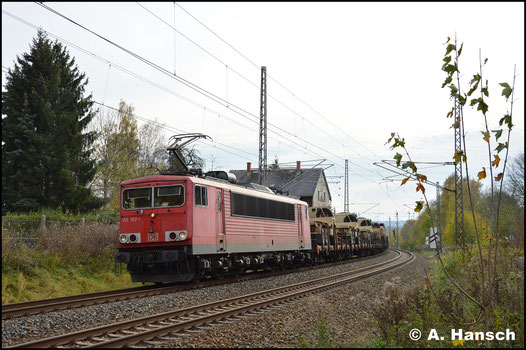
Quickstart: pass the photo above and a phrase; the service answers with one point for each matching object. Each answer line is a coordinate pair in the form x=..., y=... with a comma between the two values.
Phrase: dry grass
x=63, y=259
x=78, y=242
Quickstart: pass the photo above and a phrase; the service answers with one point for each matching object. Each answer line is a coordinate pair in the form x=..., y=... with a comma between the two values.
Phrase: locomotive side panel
x=246, y=233
x=207, y=220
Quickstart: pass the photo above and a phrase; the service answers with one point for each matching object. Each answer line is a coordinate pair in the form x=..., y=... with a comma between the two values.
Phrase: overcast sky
x=340, y=78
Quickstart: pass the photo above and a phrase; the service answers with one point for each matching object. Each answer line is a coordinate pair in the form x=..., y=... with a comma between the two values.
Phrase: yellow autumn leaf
x=496, y=161
x=450, y=113
x=458, y=342
x=488, y=238
x=486, y=138
x=482, y=174
x=420, y=187
x=458, y=156
x=498, y=177
x=405, y=180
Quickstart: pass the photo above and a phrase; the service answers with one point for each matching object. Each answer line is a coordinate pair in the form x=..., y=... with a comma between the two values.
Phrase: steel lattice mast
x=459, y=201
x=263, y=128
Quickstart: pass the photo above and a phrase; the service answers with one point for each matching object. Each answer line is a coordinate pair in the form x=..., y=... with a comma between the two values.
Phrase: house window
x=201, y=196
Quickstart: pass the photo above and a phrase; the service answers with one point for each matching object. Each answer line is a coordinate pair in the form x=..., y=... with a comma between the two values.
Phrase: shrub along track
x=69, y=302
x=157, y=327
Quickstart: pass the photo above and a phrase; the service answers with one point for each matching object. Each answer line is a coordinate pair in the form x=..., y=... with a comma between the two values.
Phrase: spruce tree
x=46, y=153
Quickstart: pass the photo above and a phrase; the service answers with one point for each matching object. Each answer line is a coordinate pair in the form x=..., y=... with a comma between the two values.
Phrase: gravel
x=344, y=309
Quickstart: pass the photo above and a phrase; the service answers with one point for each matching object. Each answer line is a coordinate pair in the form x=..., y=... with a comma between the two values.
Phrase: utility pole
x=410, y=228
x=389, y=235
x=346, y=188
x=263, y=128
x=439, y=245
x=397, y=233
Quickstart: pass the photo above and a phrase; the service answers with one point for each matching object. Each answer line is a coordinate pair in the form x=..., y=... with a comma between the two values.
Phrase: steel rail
x=74, y=301
x=133, y=331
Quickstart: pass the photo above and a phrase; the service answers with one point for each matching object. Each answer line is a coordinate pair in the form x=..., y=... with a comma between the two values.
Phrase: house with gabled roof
x=309, y=185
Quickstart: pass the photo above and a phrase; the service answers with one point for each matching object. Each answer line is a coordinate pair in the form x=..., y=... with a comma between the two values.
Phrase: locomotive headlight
x=123, y=239
x=182, y=235
x=133, y=238
x=152, y=215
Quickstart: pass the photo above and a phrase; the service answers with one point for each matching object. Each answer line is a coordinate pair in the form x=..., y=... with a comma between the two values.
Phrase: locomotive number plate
x=153, y=236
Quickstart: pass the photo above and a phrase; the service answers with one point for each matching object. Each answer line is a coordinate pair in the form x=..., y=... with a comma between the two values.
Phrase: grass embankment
x=437, y=304
x=61, y=259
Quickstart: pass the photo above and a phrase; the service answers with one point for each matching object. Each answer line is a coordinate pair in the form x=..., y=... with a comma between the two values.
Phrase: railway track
x=152, y=330
x=74, y=301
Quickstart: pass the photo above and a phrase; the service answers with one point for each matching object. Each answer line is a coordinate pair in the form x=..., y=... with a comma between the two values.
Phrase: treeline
x=511, y=225
x=62, y=151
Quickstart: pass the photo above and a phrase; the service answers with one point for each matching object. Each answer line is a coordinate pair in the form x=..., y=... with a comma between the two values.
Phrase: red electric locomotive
x=182, y=227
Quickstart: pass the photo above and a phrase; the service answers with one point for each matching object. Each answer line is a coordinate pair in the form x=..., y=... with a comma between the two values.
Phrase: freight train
x=183, y=227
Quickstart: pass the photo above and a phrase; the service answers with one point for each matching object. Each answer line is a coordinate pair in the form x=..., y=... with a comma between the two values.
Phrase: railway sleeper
x=153, y=343
x=81, y=343
x=98, y=339
x=113, y=335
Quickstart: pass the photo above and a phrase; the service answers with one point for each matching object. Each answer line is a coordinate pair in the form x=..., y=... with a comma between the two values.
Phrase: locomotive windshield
x=164, y=196
x=137, y=198
x=168, y=196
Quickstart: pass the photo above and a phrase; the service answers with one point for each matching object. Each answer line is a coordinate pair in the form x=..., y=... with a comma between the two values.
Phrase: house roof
x=298, y=185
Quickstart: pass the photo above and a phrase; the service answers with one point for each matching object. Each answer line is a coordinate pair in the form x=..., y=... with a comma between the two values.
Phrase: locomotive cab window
x=136, y=198
x=168, y=196
x=201, y=196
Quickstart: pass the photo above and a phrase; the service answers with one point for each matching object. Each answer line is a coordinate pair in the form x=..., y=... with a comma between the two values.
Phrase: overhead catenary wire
x=171, y=128
x=127, y=71
x=154, y=122
x=135, y=75
x=235, y=71
x=315, y=146
x=253, y=84
x=277, y=82
x=191, y=101
x=193, y=86
x=138, y=76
